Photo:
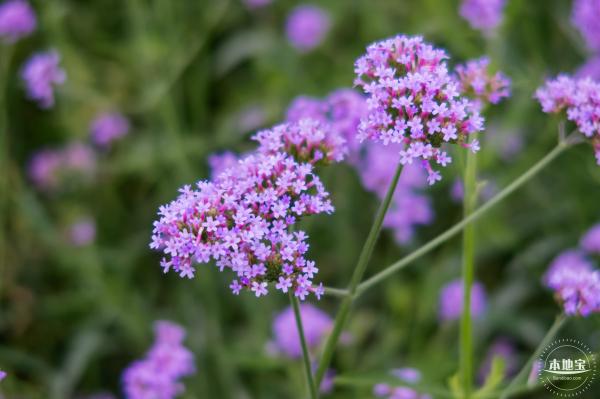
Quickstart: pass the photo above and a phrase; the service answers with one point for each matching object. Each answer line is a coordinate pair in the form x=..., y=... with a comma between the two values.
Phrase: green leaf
x=493, y=379
x=455, y=386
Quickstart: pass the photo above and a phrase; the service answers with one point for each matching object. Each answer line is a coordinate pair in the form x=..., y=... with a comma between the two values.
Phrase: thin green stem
x=468, y=271
x=359, y=271
x=305, y=355
x=457, y=228
x=513, y=385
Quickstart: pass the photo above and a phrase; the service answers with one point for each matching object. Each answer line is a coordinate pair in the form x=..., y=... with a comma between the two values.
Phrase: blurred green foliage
x=186, y=72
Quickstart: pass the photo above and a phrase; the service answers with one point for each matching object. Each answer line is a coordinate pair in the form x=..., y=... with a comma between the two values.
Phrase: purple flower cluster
x=476, y=81
x=157, y=375
x=108, y=127
x=585, y=18
x=389, y=392
x=414, y=101
x=17, y=20
x=307, y=140
x=590, y=242
x=451, y=300
x=483, y=15
x=580, y=98
x=82, y=231
x=575, y=282
x=591, y=69
x=242, y=220
x=41, y=73
x=50, y=167
x=307, y=26
x=316, y=323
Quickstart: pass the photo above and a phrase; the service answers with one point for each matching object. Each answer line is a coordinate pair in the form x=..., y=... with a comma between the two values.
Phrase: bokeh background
x=196, y=77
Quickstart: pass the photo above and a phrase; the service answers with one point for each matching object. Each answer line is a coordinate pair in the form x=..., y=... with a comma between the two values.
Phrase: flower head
x=315, y=322
x=307, y=140
x=575, y=283
x=307, y=26
x=591, y=240
x=157, y=375
x=108, y=127
x=483, y=15
x=476, y=81
x=451, y=300
x=413, y=101
x=82, y=231
x=585, y=18
x=41, y=73
x=17, y=20
x=242, y=220
x=581, y=100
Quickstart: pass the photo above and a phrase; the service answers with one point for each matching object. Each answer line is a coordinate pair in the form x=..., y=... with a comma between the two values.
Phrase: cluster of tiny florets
x=451, y=300
x=413, y=100
x=580, y=98
x=17, y=20
x=243, y=221
x=307, y=140
x=476, y=81
x=157, y=375
x=41, y=73
x=483, y=15
x=108, y=127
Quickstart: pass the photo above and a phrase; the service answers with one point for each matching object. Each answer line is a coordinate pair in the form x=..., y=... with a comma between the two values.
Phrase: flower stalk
x=305, y=355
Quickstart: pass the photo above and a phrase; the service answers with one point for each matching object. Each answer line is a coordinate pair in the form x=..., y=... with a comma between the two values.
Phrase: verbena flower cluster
x=307, y=26
x=451, y=300
x=413, y=100
x=476, y=81
x=40, y=74
x=575, y=281
x=581, y=100
x=483, y=15
x=108, y=127
x=585, y=18
x=157, y=375
x=307, y=140
x=243, y=221
x=17, y=20
x=50, y=168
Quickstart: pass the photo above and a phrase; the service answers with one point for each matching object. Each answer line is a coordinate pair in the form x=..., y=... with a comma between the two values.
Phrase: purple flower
x=220, y=162
x=476, y=81
x=575, y=283
x=581, y=100
x=40, y=73
x=2, y=375
x=315, y=322
x=157, y=375
x=500, y=348
x=451, y=300
x=242, y=221
x=17, y=20
x=307, y=140
x=591, y=240
x=591, y=69
x=43, y=169
x=483, y=15
x=585, y=18
x=82, y=231
x=108, y=127
x=413, y=101
x=407, y=374
x=389, y=392
x=307, y=26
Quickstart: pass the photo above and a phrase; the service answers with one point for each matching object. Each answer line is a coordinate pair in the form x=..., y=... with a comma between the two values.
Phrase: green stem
x=305, y=355
x=513, y=386
x=457, y=228
x=359, y=271
x=468, y=271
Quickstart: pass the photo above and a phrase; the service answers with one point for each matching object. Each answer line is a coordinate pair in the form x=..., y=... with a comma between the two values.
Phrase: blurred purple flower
x=316, y=323
x=220, y=162
x=585, y=18
x=2, y=375
x=79, y=157
x=44, y=168
x=157, y=374
x=40, y=73
x=82, y=231
x=591, y=69
x=307, y=26
x=415, y=102
x=17, y=20
x=108, y=127
x=407, y=374
x=390, y=392
x=451, y=300
x=483, y=15
x=478, y=82
x=575, y=283
x=534, y=374
x=500, y=348
x=582, y=103
x=590, y=242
